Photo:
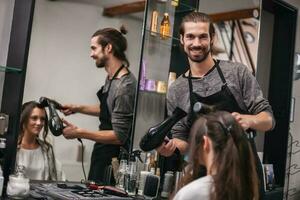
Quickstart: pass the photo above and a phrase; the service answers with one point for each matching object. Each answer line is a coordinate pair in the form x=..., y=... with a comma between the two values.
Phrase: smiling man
x=225, y=85
x=116, y=103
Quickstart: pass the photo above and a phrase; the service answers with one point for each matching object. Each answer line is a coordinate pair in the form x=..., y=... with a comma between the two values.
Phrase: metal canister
x=178, y=176
x=168, y=184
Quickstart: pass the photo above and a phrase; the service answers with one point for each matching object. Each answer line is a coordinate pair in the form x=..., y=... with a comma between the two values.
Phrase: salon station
x=149, y=99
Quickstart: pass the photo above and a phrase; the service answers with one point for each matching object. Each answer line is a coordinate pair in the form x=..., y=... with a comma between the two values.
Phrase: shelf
x=155, y=37
x=10, y=69
x=181, y=8
x=184, y=8
x=151, y=93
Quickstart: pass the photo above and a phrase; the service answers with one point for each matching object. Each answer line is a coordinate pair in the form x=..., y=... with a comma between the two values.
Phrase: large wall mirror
x=60, y=67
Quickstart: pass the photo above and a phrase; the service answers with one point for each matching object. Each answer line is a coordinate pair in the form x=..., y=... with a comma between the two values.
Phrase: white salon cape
x=36, y=164
x=197, y=189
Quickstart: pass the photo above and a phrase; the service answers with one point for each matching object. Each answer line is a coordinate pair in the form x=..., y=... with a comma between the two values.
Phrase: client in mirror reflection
x=220, y=144
x=34, y=151
x=115, y=107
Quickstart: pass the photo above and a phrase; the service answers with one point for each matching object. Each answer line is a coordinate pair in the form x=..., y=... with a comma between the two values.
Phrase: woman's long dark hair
x=27, y=109
x=236, y=177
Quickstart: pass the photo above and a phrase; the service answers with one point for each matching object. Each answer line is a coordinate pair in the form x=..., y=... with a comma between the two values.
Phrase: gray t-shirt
x=120, y=103
x=240, y=81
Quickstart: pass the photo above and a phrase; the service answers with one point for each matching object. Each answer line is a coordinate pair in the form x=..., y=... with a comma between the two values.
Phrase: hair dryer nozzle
x=201, y=108
x=155, y=135
x=44, y=101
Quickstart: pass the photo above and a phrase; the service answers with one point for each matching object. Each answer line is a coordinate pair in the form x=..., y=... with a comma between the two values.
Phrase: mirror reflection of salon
x=60, y=67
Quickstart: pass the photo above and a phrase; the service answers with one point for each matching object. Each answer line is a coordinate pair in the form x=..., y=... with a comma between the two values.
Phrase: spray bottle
x=132, y=175
x=120, y=180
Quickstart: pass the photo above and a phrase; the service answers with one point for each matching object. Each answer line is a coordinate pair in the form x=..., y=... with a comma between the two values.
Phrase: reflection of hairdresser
x=219, y=143
x=116, y=98
x=34, y=152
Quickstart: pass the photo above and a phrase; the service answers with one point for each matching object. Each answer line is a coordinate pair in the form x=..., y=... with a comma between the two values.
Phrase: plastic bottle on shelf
x=172, y=78
x=152, y=163
x=143, y=75
x=165, y=27
x=131, y=176
x=154, y=20
x=120, y=182
x=175, y=3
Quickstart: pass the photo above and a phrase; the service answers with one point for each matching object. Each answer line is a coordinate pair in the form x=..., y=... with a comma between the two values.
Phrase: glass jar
x=18, y=184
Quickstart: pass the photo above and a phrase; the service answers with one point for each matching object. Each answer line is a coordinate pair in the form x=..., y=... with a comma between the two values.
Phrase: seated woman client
x=34, y=151
x=219, y=143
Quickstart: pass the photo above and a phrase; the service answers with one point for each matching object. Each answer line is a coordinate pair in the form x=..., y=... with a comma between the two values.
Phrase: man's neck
x=200, y=69
x=112, y=67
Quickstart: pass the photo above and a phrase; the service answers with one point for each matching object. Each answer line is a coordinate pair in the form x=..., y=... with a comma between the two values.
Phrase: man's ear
x=212, y=39
x=181, y=39
x=108, y=48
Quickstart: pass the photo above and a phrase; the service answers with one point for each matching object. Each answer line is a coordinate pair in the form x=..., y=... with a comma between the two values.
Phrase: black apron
x=224, y=100
x=103, y=153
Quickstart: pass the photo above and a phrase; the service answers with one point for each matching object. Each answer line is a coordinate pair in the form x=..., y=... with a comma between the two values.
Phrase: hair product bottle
x=154, y=20
x=175, y=3
x=165, y=27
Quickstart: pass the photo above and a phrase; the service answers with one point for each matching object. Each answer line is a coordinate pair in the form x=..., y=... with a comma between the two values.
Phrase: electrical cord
x=82, y=153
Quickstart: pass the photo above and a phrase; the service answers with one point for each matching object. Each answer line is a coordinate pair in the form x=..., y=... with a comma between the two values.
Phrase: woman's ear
x=206, y=144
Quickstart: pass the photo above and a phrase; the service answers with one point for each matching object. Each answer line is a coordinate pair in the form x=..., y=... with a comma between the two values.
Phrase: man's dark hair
x=116, y=39
x=197, y=17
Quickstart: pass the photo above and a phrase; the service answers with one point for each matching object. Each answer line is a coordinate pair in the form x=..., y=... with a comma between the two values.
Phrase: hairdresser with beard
x=226, y=85
x=116, y=97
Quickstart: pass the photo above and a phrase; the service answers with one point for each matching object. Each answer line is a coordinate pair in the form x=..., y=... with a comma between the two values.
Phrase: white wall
x=59, y=65
x=6, y=14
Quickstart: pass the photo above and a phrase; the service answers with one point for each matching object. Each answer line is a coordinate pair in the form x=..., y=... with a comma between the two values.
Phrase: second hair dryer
x=155, y=136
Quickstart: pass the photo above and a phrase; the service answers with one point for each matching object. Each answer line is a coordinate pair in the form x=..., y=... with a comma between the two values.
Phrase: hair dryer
x=55, y=123
x=155, y=136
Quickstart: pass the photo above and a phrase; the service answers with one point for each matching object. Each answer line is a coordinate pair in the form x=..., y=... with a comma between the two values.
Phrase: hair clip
x=229, y=128
x=226, y=130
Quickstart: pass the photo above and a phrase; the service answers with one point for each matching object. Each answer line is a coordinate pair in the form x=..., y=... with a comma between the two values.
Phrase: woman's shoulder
x=197, y=189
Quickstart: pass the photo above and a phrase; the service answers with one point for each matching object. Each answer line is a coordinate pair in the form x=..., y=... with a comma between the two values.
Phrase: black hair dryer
x=55, y=123
x=155, y=136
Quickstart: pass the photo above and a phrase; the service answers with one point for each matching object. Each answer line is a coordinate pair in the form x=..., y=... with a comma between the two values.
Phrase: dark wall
x=14, y=82
x=280, y=86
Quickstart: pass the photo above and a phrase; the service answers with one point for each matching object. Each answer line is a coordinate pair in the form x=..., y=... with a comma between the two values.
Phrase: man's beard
x=199, y=59
x=102, y=62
